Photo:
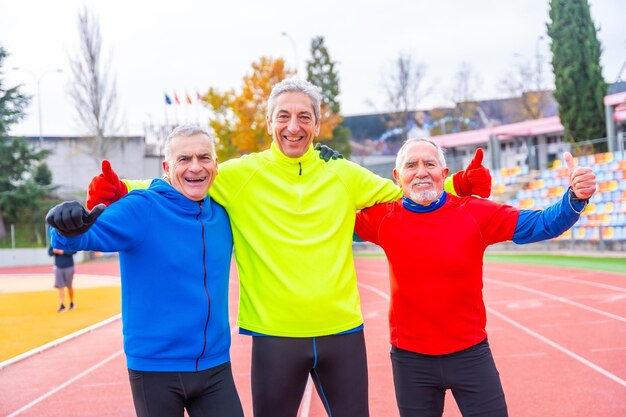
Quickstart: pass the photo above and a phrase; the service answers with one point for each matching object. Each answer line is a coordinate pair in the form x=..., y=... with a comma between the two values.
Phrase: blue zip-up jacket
x=175, y=257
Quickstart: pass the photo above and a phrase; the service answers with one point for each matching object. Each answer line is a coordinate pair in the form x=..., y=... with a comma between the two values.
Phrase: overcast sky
x=183, y=46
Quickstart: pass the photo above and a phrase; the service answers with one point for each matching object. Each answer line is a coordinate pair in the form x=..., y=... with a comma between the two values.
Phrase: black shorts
x=210, y=392
x=421, y=382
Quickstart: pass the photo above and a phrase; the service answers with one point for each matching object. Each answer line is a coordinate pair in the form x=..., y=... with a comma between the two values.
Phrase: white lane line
x=57, y=342
x=557, y=298
x=611, y=349
x=535, y=334
x=374, y=290
x=556, y=278
x=53, y=391
x=65, y=384
x=558, y=347
x=575, y=323
x=521, y=355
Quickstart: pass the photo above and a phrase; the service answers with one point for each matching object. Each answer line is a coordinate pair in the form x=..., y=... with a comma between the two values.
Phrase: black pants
x=166, y=394
x=281, y=367
x=421, y=382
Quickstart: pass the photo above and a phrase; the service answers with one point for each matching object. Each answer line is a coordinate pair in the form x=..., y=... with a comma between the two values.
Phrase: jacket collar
x=283, y=159
x=165, y=188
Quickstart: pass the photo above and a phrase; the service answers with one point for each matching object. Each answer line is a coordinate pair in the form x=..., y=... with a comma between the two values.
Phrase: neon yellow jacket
x=292, y=222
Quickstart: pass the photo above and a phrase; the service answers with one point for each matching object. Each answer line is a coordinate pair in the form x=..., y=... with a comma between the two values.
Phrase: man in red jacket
x=435, y=244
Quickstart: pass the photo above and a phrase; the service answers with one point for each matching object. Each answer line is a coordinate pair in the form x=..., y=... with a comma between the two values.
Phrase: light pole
x=538, y=57
x=295, y=50
x=38, y=78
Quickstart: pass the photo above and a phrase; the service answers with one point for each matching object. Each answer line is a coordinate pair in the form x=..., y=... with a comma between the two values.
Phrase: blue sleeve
x=117, y=229
x=536, y=225
x=65, y=243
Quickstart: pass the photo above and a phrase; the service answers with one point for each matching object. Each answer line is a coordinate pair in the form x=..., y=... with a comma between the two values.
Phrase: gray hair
x=187, y=131
x=295, y=85
x=402, y=152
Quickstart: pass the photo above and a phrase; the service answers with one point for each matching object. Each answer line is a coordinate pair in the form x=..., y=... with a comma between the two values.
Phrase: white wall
x=73, y=167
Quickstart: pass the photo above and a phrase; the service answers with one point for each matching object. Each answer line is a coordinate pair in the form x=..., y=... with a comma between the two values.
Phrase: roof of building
x=545, y=126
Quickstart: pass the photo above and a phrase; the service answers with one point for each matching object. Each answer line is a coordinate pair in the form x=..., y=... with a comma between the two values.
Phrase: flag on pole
x=198, y=96
x=168, y=100
x=188, y=98
x=176, y=98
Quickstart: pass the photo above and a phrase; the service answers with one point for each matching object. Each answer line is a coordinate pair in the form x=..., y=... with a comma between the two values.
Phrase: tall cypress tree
x=321, y=72
x=580, y=87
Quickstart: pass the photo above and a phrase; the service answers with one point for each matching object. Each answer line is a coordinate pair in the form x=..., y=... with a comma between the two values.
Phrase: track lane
x=539, y=379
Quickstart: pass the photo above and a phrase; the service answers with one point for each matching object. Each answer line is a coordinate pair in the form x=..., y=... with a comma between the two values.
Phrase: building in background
x=73, y=166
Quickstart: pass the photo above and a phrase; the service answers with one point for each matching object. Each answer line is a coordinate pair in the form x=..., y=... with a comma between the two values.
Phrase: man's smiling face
x=292, y=125
x=191, y=167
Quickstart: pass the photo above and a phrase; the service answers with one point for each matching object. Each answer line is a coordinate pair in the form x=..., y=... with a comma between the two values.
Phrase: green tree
x=24, y=185
x=25, y=180
x=580, y=87
x=12, y=101
x=321, y=72
x=42, y=174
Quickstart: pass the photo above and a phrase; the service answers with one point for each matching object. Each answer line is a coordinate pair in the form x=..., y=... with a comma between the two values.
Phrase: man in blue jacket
x=174, y=297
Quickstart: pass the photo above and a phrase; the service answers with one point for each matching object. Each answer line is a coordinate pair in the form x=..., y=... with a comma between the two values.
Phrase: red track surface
x=558, y=336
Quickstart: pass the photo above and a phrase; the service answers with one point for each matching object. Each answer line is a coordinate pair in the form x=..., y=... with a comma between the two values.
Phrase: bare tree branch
x=525, y=82
x=404, y=90
x=466, y=82
x=93, y=88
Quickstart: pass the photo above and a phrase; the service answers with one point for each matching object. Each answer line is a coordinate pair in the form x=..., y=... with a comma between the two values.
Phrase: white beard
x=421, y=197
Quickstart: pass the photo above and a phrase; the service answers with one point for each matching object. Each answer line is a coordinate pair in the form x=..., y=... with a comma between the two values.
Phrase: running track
x=558, y=337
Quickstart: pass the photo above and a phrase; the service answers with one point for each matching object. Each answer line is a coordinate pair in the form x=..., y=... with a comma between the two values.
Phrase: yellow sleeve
x=448, y=186
x=136, y=184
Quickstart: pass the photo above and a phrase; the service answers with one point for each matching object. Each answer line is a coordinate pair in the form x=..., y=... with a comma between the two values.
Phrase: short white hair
x=296, y=85
x=402, y=152
x=186, y=131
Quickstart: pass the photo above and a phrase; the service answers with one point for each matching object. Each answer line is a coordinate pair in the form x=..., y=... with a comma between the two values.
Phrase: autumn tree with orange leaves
x=238, y=119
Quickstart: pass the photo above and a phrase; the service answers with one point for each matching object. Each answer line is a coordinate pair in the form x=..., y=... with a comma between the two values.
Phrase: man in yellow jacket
x=292, y=217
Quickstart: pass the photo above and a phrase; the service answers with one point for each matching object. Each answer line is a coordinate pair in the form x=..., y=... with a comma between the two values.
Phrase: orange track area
x=558, y=336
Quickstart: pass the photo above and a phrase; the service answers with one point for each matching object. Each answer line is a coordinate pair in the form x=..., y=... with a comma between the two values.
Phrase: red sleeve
x=497, y=221
x=368, y=221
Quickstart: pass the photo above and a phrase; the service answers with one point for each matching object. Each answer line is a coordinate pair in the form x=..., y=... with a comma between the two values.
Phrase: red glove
x=105, y=188
x=475, y=179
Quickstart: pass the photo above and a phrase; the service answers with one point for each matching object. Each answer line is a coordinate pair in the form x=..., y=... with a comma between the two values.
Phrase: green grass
x=582, y=262
x=611, y=264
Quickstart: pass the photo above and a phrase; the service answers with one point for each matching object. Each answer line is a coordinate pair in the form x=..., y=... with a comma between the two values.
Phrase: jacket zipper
x=299, y=206
x=206, y=289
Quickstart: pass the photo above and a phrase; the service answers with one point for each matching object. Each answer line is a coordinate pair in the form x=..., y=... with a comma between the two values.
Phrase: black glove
x=326, y=152
x=70, y=218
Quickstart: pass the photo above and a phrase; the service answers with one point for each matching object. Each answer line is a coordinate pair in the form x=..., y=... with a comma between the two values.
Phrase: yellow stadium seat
x=608, y=232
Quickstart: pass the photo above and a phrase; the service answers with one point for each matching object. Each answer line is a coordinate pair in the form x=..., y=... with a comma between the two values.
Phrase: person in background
x=175, y=246
x=434, y=244
x=293, y=215
x=63, y=275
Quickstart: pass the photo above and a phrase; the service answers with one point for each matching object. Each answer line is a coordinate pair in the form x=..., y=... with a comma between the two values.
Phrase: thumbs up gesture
x=581, y=179
x=70, y=218
x=105, y=188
